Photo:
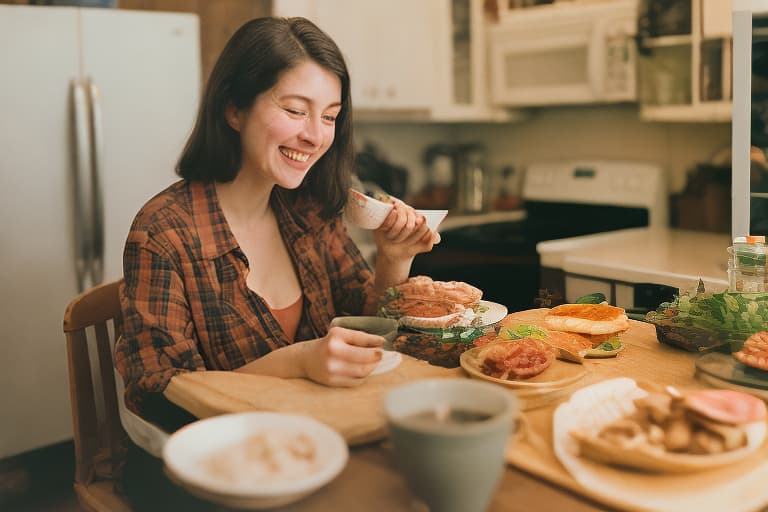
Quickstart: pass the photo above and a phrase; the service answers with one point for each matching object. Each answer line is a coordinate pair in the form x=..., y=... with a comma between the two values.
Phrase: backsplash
x=613, y=132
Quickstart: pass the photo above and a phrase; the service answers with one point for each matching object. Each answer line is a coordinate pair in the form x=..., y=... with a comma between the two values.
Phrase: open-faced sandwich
x=568, y=346
x=516, y=359
x=664, y=431
x=599, y=325
x=576, y=331
x=423, y=303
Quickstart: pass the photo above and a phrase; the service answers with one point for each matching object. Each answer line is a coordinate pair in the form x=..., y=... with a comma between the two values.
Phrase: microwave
x=564, y=53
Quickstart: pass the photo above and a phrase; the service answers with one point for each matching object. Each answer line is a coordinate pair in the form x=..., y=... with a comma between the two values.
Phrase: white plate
x=389, y=361
x=495, y=313
x=595, y=406
x=188, y=452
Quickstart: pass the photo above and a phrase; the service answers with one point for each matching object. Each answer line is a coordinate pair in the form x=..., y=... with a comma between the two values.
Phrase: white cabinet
x=422, y=60
x=687, y=76
x=387, y=45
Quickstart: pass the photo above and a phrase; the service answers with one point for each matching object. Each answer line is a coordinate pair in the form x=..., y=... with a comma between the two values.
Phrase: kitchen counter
x=643, y=255
x=457, y=220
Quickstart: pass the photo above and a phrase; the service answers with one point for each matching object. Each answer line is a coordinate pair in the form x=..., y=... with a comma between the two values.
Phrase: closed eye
x=329, y=118
x=294, y=112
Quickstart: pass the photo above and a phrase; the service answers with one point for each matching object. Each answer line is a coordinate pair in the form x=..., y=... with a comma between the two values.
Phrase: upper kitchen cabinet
x=421, y=60
x=685, y=60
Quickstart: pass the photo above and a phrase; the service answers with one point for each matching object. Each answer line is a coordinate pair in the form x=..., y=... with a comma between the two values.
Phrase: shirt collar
x=216, y=239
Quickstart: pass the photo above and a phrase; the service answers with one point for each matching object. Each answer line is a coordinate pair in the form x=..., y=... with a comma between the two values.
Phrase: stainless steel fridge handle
x=97, y=201
x=80, y=142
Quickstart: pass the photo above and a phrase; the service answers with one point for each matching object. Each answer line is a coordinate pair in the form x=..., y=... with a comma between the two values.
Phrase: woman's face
x=290, y=126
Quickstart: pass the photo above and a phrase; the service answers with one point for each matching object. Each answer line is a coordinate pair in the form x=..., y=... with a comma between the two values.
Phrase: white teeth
x=295, y=155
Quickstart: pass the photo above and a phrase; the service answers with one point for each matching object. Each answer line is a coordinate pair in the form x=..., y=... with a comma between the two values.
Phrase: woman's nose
x=313, y=132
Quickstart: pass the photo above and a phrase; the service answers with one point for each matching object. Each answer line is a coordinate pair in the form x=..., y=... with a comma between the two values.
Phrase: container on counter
x=748, y=252
x=747, y=271
x=744, y=279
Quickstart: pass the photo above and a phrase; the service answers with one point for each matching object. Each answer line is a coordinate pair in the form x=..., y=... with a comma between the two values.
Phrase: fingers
x=354, y=338
x=350, y=354
x=404, y=224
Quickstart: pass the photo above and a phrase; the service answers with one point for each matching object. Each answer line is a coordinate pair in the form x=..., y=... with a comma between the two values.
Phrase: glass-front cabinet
x=685, y=60
x=750, y=117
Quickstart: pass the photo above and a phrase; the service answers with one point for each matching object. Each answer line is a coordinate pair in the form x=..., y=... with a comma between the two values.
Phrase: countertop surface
x=644, y=255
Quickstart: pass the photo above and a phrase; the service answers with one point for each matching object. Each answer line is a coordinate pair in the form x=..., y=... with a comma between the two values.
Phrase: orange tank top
x=289, y=317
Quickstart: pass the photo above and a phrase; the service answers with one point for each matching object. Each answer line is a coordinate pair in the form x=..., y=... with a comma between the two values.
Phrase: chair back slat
x=83, y=398
x=98, y=433
x=115, y=434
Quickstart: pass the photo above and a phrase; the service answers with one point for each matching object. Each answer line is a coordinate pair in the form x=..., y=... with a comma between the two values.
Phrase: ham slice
x=726, y=406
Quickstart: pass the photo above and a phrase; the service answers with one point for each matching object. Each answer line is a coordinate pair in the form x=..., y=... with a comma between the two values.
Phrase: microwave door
x=596, y=60
x=547, y=69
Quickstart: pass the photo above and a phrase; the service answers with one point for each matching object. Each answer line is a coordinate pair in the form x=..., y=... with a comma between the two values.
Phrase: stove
x=562, y=199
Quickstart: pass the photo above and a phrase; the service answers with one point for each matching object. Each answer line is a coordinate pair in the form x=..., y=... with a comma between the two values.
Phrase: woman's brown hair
x=251, y=63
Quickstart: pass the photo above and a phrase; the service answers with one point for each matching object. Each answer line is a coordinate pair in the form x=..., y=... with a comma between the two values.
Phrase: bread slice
x=587, y=318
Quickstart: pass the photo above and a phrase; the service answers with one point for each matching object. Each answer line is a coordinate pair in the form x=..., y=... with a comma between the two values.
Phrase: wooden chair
x=99, y=436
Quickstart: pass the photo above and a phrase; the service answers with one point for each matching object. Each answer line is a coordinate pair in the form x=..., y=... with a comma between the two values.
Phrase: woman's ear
x=231, y=113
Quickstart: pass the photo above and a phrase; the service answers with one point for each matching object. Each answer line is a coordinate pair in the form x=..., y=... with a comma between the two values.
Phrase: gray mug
x=453, y=464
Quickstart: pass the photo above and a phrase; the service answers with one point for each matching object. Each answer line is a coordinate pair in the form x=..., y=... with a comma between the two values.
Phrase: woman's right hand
x=344, y=357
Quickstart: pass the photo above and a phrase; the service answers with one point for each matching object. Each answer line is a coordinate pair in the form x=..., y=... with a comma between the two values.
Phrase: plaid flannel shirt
x=185, y=302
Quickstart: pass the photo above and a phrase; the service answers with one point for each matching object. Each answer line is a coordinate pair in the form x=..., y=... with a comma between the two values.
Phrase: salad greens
x=592, y=298
x=522, y=331
x=724, y=313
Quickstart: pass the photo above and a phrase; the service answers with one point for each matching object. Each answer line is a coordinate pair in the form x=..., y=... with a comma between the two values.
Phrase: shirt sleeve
x=158, y=339
x=351, y=277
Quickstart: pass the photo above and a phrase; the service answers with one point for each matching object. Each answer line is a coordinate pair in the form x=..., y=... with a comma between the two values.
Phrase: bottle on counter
x=747, y=265
x=748, y=251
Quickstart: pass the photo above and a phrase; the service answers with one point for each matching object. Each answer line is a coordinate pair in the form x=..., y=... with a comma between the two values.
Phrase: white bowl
x=365, y=211
x=208, y=458
x=434, y=217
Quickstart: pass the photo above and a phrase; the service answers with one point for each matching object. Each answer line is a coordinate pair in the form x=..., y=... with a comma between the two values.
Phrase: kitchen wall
x=614, y=132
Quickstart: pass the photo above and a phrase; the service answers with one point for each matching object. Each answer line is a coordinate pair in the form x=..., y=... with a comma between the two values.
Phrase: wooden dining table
x=533, y=479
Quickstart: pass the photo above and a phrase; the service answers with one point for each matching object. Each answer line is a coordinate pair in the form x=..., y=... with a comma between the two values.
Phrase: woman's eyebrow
x=307, y=100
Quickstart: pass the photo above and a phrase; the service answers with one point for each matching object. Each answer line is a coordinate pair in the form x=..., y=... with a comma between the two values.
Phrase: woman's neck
x=245, y=198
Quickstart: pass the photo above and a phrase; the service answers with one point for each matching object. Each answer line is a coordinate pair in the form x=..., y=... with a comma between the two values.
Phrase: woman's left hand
x=404, y=234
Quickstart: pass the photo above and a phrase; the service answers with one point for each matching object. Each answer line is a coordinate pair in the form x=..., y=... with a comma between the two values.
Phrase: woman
x=228, y=268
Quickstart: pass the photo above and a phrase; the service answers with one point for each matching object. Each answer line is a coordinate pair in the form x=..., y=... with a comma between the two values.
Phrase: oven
x=562, y=199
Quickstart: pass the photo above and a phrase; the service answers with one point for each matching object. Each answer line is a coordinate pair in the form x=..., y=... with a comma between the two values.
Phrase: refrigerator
x=95, y=107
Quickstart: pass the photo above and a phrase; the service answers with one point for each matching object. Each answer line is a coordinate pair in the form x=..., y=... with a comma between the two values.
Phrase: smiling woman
x=247, y=255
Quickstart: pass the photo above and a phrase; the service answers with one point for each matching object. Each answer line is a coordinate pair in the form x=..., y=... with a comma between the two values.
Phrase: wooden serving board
x=356, y=413
x=733, y=488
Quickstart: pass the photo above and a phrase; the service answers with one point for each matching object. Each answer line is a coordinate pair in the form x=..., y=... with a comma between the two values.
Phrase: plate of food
x=254, y=460
x=663, y=430
x=727, y=368
x=432, y=307
x=575, y=331
x=521, y=364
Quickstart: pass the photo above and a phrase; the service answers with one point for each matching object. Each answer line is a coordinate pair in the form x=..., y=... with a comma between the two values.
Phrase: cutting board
x=734, y=488
x=357, y=413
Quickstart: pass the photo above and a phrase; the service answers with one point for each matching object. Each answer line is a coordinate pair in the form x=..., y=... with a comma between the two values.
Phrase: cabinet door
x=358, y=42
x=148, y=89
x=388, y=47
x=38, y=59
x=406, y=56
